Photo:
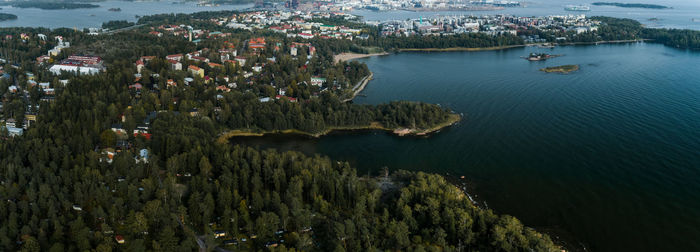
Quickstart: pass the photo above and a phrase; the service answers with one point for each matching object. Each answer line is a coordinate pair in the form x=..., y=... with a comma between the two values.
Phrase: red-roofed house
x=213, y=65
x=176, y=57
x=199, y=59
x=196, y=71
x=139, y=66
x=257, y=43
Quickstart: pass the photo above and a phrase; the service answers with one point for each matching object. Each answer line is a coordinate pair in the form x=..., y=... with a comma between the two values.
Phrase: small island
x=632, y=5
x=115, y=9
x=540, y=56
x=6, y=16
x=560, y=69
x=52, y=5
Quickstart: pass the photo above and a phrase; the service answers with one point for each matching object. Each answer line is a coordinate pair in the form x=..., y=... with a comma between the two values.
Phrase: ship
x=577, y=8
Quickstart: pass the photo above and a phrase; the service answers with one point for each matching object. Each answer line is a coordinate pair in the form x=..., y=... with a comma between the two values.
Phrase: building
x=117, y=128
x=196, y=71
x=257, y=43
x=175, y=65
x=139, y=66
x=42, y=59
x=119, y=239
x=213, y=65
x=175, y=57
x=241, y=60
x=79, y=65
x=317, y=81
x=13, y=131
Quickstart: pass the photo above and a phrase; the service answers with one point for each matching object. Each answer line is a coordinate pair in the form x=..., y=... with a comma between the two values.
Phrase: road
x=124, y=29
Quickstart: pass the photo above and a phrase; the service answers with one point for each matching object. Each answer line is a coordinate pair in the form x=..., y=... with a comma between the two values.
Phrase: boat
x=577, y=8
x=115, y=9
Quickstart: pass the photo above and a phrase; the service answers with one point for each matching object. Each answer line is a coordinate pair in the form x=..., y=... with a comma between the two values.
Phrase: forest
x=632, y=29
x=116, y=24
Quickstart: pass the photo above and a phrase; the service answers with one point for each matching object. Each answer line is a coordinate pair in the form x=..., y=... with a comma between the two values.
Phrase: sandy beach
x=349, y=56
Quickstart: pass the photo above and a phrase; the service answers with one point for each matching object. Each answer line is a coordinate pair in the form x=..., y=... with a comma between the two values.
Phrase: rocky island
x=561, y=69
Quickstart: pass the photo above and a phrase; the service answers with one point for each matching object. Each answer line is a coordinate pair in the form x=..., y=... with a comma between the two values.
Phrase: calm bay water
x=608, y=155
x=86, y=18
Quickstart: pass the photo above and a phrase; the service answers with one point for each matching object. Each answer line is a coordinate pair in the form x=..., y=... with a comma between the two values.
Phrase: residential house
x=213, y=65
x=222, y=88
x=119, y=239
x=285, y=97
x=42, y=59
x=257, y=43
x=175, y=65
x=317, y=81
x=199, y=59
x=241, y=60
x=139, y=66
x=194, y=112
x=117, y=128
x=136, y=86
x=175, y=57
x=196, y=71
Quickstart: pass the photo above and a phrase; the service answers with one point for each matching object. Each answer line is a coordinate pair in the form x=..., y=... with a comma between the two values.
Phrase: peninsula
x=7, y=16
x=51, y=5
x=632, y=5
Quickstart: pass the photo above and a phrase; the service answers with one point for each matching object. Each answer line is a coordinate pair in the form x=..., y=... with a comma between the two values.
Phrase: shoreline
x=460, y=49
x=451, y=120
x=350, y=56
x=560, y=237
x=493, y=48
x=360, y=86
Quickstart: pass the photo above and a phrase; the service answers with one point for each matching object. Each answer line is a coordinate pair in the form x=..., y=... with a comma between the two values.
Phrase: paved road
x=124, y=29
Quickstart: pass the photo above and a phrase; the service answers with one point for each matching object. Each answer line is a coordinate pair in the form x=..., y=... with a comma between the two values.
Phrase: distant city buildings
x=489, y=24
